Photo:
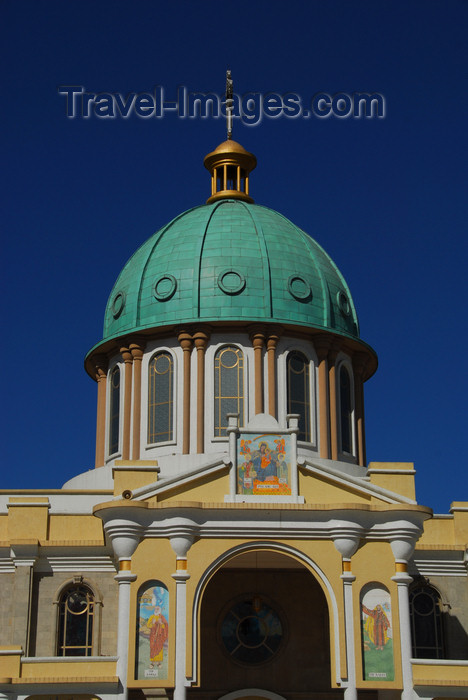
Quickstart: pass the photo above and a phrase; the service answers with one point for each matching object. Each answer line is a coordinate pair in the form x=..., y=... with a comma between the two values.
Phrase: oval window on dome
x=231, y=281
x=165, y=287
x=299, y=288
x=343, y=303
x=118, y=304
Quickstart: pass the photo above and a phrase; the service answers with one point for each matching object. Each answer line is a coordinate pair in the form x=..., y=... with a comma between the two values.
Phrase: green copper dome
x=230, y=261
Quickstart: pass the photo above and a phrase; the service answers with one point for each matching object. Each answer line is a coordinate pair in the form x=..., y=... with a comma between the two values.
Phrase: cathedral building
x=232, y=542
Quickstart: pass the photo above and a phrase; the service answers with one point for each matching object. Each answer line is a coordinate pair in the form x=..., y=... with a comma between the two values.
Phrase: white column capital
x=403, y=547
x=402, y=578
x=181, y=576
x=347, y=577
x=125, y=577
x=125, y=537
x=346, y=543
x=181, y=544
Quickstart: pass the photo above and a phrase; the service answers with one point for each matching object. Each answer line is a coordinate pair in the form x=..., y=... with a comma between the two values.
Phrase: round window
x=118, y=304
x=164, y=287
x=299, y=288
x=251, y=631
x=343, y=303
x=231, y=281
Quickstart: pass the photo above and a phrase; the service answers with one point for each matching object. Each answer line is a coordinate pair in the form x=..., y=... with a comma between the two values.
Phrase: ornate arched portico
x=252, y=694
x=264, y=617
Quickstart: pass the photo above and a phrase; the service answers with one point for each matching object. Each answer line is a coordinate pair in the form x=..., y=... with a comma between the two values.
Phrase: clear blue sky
x=387, y=198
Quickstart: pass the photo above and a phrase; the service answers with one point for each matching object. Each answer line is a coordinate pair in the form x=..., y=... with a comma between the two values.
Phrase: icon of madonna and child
x=153, y=632
x=264, y=465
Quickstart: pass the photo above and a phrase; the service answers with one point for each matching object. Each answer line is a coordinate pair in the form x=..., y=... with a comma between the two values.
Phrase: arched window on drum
x=161, y=398
x=229, y=387
x=114, y=411
x=298, y=380
x=346, y=411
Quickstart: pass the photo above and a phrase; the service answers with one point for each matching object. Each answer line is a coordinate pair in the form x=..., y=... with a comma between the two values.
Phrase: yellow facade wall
x=319, y=490
x=154, y=559
x=75, y=528
x=27, y=520
x=440, y=674
x=398, y=482
x=206, y=489
x=363, y=566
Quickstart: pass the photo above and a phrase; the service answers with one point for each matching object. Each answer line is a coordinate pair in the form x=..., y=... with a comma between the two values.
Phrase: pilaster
x=272, y=342
x=127, y=412
x=332, y=355
x=24, y=556
x=322, y=345
x=257, y=337
x=201, y=340
x=101, y=366
x=359, y=365
x=185, y=340
x=137, y=349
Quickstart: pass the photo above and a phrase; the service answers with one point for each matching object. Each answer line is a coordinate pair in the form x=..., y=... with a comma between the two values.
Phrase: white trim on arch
x=218, y=341
x=115, y=363
x=286, y=346
x=249, y=692
x=171, y=346
x=344, y=361
x=146, y=412
x=271, y=546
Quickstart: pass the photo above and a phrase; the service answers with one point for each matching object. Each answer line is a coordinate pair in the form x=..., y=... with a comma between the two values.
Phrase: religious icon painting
x=152, y=639
x=377, y=634
x=264, y=464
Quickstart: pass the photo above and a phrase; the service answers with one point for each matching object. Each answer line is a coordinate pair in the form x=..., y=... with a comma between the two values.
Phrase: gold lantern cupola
x=230, y=165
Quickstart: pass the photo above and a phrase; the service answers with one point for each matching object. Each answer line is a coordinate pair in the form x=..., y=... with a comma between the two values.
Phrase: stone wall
x=454, y=592
x=44, y=612
x=6, y=611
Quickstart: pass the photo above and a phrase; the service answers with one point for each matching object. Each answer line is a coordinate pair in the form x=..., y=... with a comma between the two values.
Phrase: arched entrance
x=264, y=624
x=252, y=694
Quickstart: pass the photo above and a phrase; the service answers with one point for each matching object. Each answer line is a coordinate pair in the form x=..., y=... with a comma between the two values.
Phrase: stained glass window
x=299, y=391
x=345, y=411
x=114, y=413
x=426, y=623
x=75, y=627
x=161, y=398
x=251, y=631
x=229, y=387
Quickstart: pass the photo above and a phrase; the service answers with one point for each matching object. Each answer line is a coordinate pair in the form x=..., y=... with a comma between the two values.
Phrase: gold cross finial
x=229, y=103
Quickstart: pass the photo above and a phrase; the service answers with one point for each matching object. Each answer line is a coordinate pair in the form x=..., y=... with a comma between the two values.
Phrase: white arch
x=249, y=692
x=271, y=546
x=343, y=361
x=285, y=347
